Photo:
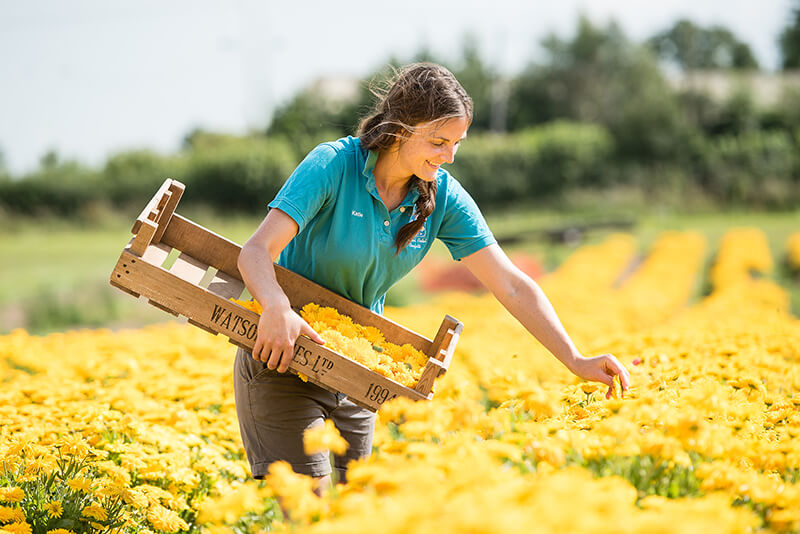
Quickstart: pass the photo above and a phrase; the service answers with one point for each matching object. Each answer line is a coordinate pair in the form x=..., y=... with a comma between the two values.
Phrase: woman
x=355, y=216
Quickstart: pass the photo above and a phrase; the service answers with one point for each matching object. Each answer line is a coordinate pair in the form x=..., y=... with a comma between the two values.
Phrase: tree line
x=596, y=111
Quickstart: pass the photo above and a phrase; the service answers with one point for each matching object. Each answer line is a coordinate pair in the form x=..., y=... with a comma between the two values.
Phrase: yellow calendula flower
x=229, y=505
x=60, y=531
x=165, y=520
x=54, y=509
x=8, y=514
x=295, y=491
x=80, y=484
x=95, y=511
x=11, y=494
x=17, y=528
x=73, y=445
x=324, y=437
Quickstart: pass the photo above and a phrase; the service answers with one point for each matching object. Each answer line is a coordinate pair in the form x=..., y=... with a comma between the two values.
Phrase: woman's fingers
x=613, y=368
x=286, y=358
x=311, y=333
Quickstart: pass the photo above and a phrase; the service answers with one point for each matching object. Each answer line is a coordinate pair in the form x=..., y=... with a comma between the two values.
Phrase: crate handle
x=443, y=347
x=151, y=223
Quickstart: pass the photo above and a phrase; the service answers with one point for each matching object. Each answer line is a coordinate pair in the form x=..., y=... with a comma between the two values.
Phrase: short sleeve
x=463, y=229
x=311, y=185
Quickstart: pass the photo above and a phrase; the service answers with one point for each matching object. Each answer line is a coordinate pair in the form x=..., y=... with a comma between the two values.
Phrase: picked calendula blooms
x=364, y=344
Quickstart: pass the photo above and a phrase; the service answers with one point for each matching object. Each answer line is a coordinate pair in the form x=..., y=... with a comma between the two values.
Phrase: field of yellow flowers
x=135, y=431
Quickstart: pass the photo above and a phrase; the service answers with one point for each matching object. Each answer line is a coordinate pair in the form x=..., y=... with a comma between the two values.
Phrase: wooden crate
x=204, y=277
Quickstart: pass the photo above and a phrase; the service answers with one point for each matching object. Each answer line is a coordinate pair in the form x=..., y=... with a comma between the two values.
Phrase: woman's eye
x=437, y=144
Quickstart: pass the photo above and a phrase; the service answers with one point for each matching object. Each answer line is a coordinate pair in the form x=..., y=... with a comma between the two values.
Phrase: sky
x=88, y=78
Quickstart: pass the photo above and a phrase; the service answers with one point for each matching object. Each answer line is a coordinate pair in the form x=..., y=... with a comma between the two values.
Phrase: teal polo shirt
x=346, y=234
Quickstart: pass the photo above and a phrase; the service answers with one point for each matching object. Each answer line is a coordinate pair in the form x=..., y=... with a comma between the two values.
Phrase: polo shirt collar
x=369, y=167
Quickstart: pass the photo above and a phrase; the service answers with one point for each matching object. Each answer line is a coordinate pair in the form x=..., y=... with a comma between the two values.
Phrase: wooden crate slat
x=188, y=268
x=144, y=237
x=226, y=286
x=432, y=370
x=202, y=327
x=151, y=205
x=162, y=307
x=446, y=337
x=123, y=288
x=202, y=244
x=175, y=190
x=240, y=325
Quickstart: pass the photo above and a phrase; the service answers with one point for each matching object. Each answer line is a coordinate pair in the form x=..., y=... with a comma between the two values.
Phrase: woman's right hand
x=278, y=329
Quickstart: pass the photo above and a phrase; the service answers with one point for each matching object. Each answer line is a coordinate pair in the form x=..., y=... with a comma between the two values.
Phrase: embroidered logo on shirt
x=422, y=236
x=357, y=214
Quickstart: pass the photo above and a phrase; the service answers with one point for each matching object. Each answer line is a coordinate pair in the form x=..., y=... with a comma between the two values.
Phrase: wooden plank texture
x=151, y=206
x=432, y=370
x=203, y=245
x=226, y=286
x=143, y=237
x=204, y=308
x=175, y=191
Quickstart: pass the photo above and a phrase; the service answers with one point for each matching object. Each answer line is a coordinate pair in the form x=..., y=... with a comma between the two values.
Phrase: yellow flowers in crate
x=135, y=431
x=364, y=344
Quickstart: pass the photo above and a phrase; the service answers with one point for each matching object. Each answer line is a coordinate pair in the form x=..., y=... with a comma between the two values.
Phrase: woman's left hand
x=603, y=369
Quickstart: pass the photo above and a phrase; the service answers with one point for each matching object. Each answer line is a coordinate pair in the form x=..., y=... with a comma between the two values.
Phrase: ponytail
x=426, y=203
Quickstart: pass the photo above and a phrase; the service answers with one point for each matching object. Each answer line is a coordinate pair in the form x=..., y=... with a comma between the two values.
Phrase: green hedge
x=131, y=178
x=754, y=167
x=244, y=174
x=62, y=190
x=536, y=162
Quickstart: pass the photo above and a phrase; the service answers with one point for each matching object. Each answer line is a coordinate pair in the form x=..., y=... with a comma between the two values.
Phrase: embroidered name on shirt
x=357, y=214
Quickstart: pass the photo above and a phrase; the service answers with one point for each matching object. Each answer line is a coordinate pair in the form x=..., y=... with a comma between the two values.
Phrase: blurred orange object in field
x=436, y=274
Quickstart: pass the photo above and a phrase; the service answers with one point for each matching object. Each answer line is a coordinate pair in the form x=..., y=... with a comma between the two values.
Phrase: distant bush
x=131, y=178
x=243, y=174
x=536, y=162
x=755, y=167
x=61, y=189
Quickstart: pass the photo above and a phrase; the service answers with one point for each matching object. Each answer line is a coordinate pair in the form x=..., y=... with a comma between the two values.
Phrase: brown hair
x=417, y=93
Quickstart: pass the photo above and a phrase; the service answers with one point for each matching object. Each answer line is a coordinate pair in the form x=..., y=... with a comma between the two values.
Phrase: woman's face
x=430, y=145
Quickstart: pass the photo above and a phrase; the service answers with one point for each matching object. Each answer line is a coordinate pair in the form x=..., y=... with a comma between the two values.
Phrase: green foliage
x=650, y=475
x=693, y=47
x=131, y=178
x=479, y=80
x=600, y=76
x=753, y=167
x=240, y=174
x=51, y=309
x=790, y=41
x=57, y=188
x=540, y=161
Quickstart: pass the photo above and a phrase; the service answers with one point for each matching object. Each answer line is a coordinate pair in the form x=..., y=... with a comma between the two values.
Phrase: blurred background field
x=54, y=274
